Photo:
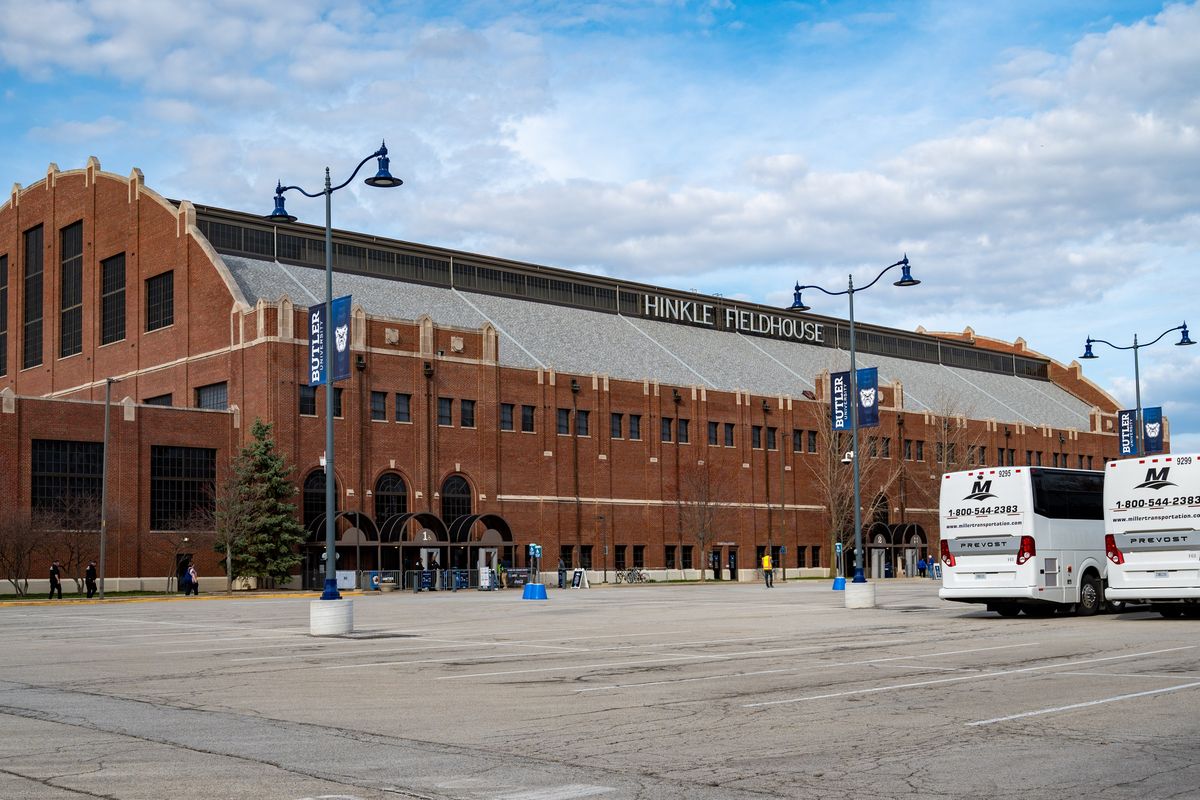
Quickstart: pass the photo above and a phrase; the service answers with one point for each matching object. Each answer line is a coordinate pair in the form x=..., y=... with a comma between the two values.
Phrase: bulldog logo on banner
x=318, y=341
x=1152, y=434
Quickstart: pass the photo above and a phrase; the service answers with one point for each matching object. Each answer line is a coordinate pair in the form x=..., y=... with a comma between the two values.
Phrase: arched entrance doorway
x=356, y=546
x=482, y=539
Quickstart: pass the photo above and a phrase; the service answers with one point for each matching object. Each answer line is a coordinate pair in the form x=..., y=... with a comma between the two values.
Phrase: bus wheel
x=1007, y=609
x=1170, y=612
x=1090, y=597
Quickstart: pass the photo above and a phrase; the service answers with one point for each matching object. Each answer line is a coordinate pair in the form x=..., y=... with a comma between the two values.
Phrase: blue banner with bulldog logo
x=868, y=397
x=320, y=338
x=1152, y=429
x=1127, y=430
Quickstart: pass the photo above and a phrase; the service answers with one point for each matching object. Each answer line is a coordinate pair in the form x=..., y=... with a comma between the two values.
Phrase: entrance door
x=487, y=558
x=878, y=558
x=733, y=565
x=714, y=563
x=428, y=556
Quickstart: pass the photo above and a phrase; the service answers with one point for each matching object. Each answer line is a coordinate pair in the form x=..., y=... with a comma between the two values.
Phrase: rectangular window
x=687, y=557
x=582, y=418
x=31, y=344
x=182, y=483
x=1012, y=457
x=308, y=400
x=527, y=419
x=886, y=450
x=729, y=434
x=682, y=428
x=506, y=416
x=639, y=555
x=158, y=400
x=755, y=437
x=1028, y=458
x=619, y=557
x=564, y=422
x=771, y=440
x=1080, y=461
x=816, y=556
x=1089, y=466
x=466, y=413
x=160, y=301
x=1038, y=455
x=566, y=554
x=616, y=425
x=920, y=450
x=801, y=551
x=635, y=426
x=873, y=446
x=714, y=433
x=66, y=480
x=337, y=401
x=669, y=556
x=3, y=315
x=70, y=291
x=812, y=441
x=445, y=411
x=666, y=429
x=112, y=299
x=403, y=407
x=585, y=556
x=379, y=406
x=797, y=441
x=214, y=396
x=1000, y=456
x=908, y=450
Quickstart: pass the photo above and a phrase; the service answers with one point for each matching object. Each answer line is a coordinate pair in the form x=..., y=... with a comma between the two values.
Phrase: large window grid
x=391, y=497
x=182, y=484
x=112, y=299
x=214, y=396
x=456, y=499
x=70, y=291
x=31, y=342
x=65, y=475
x=160, y=301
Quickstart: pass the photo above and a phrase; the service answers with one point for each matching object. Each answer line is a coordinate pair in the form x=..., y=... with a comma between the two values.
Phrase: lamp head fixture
x=1184, y=340
x=574, y=386
x=766, y=406
x=676, y=396
x=848, y=457
x=1087, y=349
x=797, y=303
x=280, y=213
x=383, y=179
x=906, y=279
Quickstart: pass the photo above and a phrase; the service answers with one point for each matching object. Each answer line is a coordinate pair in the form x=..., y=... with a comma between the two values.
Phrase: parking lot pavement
x=710, y=691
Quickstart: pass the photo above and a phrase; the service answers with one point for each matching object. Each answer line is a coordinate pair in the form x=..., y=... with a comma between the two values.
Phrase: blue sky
x=1038, y=161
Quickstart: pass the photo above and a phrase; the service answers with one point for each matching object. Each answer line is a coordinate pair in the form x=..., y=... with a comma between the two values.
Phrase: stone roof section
x=583, y=342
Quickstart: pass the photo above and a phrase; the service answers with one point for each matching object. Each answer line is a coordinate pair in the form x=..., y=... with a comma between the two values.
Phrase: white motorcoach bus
x=1152, y=522
x=1023, y=539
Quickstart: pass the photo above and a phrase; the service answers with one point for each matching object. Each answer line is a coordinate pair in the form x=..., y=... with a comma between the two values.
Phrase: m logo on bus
x=980, y=490
x=1155, y=479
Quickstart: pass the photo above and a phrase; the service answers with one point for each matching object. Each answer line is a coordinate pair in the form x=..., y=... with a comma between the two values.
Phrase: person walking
x=89, y=579
x=55, y=580
x=562, y=574
x=193, y=586
x=768, y=571
x=921, y=567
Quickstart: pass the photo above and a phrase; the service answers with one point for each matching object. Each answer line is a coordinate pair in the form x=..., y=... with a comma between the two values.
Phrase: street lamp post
x=906, y=279
x=382, y=179
x=108, y=382
x=1137, y=378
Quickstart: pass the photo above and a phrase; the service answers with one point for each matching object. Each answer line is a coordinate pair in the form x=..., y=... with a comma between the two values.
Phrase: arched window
x=314, y=496
x=456, y=499
x=391, y=497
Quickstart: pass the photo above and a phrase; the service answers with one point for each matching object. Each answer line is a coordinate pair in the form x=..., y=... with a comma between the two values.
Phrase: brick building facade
x=490, y=404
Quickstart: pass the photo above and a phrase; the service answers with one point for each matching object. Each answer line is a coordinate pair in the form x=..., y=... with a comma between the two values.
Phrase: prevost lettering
x=968, y=545
x=674, y=309
x=1158, y=539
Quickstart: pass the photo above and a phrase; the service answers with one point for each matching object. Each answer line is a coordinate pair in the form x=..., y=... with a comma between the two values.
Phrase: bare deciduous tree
x=702, y=509
x=19, y=546
x=72, y=529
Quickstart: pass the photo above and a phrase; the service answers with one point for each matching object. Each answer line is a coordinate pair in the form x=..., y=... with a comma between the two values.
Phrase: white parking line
x=980, y=676
x=809, y=667
x=1073, y=706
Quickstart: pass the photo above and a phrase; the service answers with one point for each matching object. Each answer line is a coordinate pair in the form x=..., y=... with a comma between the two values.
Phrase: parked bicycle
x=632, y=575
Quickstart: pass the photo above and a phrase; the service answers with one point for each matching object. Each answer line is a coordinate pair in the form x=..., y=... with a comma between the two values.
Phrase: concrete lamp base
x=860, y=595
x=330, y=617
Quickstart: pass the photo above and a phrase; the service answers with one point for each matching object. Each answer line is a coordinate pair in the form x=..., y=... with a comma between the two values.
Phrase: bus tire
x=1091, y=596
x=1170, y=612
x=1007, y=609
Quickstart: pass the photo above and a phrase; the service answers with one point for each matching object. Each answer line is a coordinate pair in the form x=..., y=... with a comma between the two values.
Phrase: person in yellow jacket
x=768, y=571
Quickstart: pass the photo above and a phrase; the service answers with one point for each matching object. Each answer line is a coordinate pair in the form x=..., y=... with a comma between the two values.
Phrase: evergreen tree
x=260, y=521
